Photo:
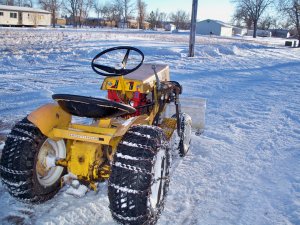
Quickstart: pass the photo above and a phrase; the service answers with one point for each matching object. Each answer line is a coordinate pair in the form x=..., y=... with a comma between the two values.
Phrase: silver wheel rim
x=50, y=148
x=159, y=173
x=187, y=134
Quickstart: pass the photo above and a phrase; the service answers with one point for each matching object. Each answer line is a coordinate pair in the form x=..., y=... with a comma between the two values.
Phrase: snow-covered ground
x=244, y=169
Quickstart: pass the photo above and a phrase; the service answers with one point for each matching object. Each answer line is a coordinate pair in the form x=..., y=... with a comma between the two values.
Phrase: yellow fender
x=48, y=117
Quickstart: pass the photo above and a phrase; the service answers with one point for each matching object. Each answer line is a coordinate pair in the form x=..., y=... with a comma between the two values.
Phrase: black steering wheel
x=105, y=70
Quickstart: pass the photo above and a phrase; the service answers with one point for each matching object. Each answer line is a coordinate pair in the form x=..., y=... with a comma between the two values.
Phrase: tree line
x=115, y=11
x=253, y=14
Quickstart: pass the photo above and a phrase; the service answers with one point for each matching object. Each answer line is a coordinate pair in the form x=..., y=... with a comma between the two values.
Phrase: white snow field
x=244, y=169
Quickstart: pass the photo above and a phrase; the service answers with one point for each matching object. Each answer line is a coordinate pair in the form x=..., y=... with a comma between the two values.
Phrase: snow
x=120, y=155
x=78, y=192
x=139, y=134
x=244, y=169
x=124, y=189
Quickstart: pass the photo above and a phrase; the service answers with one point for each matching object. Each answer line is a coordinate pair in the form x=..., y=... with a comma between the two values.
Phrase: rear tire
x=140, y=176
x=22, y=167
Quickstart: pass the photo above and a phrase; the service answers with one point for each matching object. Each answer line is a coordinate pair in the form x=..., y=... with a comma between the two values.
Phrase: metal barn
x=214, y=27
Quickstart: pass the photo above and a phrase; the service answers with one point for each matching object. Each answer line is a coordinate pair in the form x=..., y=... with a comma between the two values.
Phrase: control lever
x=158, y=84
x=178, y=110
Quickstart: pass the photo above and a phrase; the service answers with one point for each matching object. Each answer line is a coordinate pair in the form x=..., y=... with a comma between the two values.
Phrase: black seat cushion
x=91, y=107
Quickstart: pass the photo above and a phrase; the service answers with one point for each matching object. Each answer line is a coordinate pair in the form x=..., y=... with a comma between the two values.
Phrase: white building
x=280, y=33
x=170, y=27
x=214, y=27
x=23, y=16
x=239, y=31
x=260, y=33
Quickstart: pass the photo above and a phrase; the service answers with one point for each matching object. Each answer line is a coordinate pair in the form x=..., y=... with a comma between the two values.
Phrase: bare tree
x=152, y=19
x=112, y=12
x=161, y=18
x=28, y=3
x=125, y=8
x=267, y=22
x=291, y=9
x=181, y=19
x=21, y=3
x=98, y=10
x=241, y=17
x=7, y=2
x=84, y=9
x=254, y=10
x=53, y=6
x=128, y=7
x=285, y=24
x=157, y=19
x=78, y=9
x=25, y=3
x=117, y=11
x=141, y=8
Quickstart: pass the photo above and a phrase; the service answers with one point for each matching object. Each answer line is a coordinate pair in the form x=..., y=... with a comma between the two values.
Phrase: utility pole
x=193, y=28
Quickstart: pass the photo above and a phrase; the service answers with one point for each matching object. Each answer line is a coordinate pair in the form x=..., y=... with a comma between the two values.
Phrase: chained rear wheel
x=140, y=176
x=27, y=164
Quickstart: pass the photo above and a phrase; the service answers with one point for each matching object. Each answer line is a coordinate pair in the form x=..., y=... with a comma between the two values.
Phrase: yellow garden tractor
x=123, y=139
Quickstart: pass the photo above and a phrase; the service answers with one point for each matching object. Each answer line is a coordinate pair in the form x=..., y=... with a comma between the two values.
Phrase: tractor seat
x=91, y=107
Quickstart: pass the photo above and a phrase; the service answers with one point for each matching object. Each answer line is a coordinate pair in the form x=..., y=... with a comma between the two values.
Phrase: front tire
x=23, y=165
x=185, y=134
x=183, y=140
x=140, y=176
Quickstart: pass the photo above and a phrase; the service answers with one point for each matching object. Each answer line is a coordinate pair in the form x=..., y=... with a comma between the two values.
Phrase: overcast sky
x=207, y=9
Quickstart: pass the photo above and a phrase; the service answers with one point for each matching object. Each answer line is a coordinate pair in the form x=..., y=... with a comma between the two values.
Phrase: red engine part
x=112, y=95
x=139, y=99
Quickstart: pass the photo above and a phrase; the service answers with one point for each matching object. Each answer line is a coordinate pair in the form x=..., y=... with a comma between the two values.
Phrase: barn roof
x=223, y=24
x=22, y=9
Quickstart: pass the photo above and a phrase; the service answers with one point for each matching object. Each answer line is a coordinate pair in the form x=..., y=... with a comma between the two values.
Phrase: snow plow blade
x=194, y=107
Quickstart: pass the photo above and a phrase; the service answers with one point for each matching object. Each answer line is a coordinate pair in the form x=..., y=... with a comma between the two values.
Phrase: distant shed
x=23, y=16
x=133, y=24
x=214, y=27
x=239, y=31
x=260, y=33
x=280, y=33
x=170, y=27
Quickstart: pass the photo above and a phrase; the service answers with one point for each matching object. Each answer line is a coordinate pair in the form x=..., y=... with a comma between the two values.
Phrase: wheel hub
x=46, y=171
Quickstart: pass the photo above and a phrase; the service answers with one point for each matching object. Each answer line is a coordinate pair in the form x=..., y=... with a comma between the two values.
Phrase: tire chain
x=16, y=172
x=139, y=170
x=132, y=168
x=130, y=144
x=133, y=158
x=128, y=218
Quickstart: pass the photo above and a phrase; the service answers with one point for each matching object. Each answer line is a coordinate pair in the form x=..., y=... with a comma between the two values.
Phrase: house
x=75, y=21
x=280, y=33
x=133, y=24
x=260, y=33
x=60, y=22
x=23, y=16
x=214, y=27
